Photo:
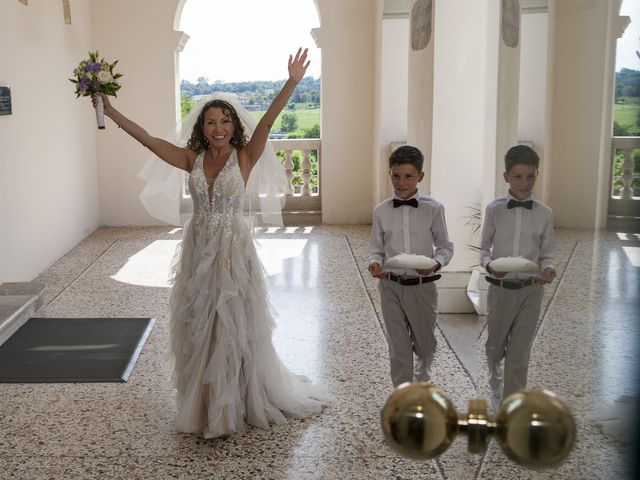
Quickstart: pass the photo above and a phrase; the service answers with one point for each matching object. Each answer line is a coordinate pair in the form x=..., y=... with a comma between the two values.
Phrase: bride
x=227, y=372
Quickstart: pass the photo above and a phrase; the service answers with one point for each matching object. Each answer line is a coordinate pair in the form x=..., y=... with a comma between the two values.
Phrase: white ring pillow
x=513, y=264
x=406, y=260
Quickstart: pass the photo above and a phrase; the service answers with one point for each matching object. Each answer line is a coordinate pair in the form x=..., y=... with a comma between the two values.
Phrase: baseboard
x=452, y=293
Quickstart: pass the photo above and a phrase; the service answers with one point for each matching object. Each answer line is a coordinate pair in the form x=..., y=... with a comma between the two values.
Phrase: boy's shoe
x=496, y=397
x=495, y=403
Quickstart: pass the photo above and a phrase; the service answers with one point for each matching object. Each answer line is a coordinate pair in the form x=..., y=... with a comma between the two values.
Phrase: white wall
x=533, y=91
x=48, y=167
x=140, y=35
x=393, y=104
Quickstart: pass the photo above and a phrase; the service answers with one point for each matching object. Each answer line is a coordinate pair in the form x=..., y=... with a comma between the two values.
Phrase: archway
x=242, y=47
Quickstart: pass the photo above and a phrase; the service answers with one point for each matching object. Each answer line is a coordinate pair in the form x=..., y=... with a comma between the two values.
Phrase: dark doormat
x=68, y=350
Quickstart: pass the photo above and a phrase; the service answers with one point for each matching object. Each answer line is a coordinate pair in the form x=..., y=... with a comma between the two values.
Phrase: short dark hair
x=407, y=154
x=520, y=155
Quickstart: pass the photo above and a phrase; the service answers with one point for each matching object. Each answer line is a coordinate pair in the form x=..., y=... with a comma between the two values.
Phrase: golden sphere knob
x=535, y=429
x=419, y=421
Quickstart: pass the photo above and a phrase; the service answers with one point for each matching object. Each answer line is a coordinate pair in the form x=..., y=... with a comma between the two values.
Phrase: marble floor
x=328, y=328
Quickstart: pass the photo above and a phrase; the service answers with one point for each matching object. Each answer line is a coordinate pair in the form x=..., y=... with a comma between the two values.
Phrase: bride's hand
x=297, y=65
x=105, y=102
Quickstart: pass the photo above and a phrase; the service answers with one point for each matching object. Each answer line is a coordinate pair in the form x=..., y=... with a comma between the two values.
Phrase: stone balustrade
x=627, y=145
x=304, y=182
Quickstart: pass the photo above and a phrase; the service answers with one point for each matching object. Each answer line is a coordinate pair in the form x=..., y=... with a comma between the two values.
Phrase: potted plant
x=477, y=286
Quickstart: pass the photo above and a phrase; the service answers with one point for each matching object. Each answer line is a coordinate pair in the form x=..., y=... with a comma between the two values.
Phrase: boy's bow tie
x=528, y=204
x=398, y=203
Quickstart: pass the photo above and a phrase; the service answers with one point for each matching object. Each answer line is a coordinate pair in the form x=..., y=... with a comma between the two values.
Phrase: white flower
x=104, y=76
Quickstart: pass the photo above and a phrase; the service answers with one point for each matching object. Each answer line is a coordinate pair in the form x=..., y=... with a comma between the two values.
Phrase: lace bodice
x=223, y=200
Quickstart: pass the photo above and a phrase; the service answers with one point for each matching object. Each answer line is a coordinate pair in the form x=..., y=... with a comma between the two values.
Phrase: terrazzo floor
x=329, y=329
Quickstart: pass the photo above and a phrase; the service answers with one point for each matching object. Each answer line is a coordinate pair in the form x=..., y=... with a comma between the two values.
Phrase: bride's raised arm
x=250, y=154
x=167, y=151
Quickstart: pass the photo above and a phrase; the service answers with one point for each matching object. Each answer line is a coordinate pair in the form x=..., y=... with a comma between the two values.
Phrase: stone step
x=301, y=218
x=302, y=202
x=19, y=301
x=623, y=223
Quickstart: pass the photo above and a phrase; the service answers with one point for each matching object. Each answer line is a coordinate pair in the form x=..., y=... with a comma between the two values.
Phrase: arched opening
x=624, y=182
x=242, y=47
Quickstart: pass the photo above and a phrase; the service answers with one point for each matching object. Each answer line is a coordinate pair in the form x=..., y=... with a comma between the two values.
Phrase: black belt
x=510, y=284
x=413, y=280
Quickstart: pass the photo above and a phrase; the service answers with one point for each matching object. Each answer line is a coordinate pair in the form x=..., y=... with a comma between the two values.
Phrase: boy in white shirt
x=515, y=225
x=410, y=223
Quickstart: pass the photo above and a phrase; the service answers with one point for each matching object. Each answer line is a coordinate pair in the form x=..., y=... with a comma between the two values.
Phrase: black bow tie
x=398, y=203
x=528, y=204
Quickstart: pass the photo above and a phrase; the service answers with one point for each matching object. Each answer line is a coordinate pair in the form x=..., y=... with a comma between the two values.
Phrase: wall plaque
x=510, y=23
x=5, y=100
x=421, y=24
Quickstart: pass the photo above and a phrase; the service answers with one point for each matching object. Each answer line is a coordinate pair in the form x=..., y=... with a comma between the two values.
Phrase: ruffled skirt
x=226, y=371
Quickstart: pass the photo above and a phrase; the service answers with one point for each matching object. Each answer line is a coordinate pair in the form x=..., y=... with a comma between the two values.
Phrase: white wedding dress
x=227, y=372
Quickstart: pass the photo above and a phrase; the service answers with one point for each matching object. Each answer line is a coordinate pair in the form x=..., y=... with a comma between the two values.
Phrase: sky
x=630, y=42
x=271, y=30
x=246, y=40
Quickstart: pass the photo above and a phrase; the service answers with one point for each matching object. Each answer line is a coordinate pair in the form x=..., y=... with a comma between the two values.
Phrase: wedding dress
x=227, y=372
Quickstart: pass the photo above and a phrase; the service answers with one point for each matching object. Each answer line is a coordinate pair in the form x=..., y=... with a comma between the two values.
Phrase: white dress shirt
x=407, y=229
x=518, y=232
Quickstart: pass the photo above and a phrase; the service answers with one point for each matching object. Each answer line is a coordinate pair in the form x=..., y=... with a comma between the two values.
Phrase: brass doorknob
x=534, y=428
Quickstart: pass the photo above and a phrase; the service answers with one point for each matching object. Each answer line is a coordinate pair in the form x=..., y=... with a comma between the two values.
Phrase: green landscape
x=626, y=108
x=626, y=114
x=301, y=117
x=626, y=123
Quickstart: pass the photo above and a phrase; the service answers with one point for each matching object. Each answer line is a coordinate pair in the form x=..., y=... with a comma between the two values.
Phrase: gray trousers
x=409, y=313
x=511, y=326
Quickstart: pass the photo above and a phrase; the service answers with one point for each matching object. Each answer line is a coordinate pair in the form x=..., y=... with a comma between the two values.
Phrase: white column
x=420, y=93
x=508, y=86
x=473, y=71
x=347, y=37
x=393, y=104
x=532, y=91
x=579, y=109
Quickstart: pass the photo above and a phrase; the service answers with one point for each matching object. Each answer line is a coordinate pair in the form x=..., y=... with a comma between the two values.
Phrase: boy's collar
x=415, y=195
x=509, y=197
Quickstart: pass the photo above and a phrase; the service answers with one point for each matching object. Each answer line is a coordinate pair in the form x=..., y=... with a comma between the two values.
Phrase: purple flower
x=84, y=84
x=92, y=67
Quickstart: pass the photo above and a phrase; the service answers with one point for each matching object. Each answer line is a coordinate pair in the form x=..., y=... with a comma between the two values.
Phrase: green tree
x=313, y=132
x=619, y=130
x=627, y=84
x=186, y=103
x=289, y=122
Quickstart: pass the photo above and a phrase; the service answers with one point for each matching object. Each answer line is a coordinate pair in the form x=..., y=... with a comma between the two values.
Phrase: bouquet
x=96, y=76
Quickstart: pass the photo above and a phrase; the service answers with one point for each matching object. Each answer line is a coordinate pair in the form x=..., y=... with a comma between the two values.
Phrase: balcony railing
x=625, y=177
x=301, y=164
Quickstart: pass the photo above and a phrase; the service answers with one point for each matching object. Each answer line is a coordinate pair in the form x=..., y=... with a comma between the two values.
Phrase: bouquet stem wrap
x=100, y=112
